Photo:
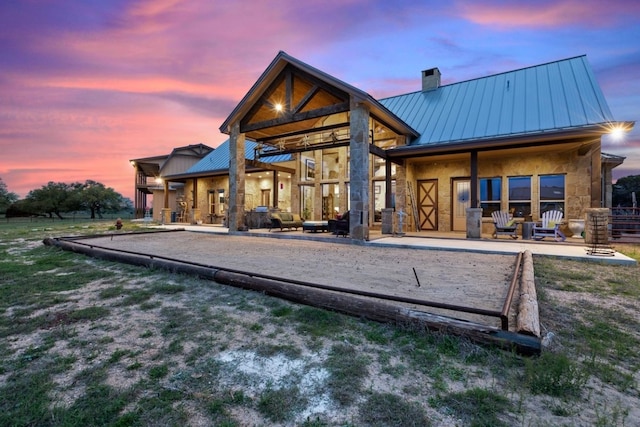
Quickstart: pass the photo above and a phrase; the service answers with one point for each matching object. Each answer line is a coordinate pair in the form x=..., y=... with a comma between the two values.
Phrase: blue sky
x=87, y=85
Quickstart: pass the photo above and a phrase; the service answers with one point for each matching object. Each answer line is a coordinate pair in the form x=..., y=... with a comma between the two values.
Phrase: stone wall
x=575, y=165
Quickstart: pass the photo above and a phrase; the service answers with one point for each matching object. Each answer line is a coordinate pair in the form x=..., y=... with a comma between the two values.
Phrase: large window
x=379, y=167
x=379, y=198
x=490, y=195
x=306, y=201
x=330, y=201
x=330, y=164
x=520, y=196
x=551, y=193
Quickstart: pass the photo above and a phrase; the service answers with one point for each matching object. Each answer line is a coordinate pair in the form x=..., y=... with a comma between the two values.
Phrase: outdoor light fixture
x=617, y=133
x=278, y=107
x=158, y=180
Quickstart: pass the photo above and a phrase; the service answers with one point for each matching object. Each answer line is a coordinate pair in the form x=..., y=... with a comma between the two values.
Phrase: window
x=379, y=167
x=307, y=201
x=551, y=193
x=379, y=198
x=330, y=201
x=211, y=195
x=330, y=164
x=520, y=196
x=490, y=195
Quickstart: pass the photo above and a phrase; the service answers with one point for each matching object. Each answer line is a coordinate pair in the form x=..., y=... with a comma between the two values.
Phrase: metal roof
x=555, y=96
x=218, y=159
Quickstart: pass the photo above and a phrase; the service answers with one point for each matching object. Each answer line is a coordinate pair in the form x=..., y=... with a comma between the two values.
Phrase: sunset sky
x=87, y=85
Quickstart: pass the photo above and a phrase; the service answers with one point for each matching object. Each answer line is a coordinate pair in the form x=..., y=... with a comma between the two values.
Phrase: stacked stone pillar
x=359, y=163
x=599, y=235
x=236, y=178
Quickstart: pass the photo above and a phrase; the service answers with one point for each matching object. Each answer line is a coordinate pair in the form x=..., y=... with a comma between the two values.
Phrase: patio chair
x=504, y=225
x=549, y=227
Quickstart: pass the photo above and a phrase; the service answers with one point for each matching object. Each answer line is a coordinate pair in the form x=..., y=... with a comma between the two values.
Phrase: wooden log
x=370, y=308
x=528, y=315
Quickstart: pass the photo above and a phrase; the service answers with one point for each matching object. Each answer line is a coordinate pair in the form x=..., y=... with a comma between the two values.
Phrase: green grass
x=476, y=407
x=555, y=375
x=89, y=342
x=348, y=370
x=389, y=410
x=280, y=404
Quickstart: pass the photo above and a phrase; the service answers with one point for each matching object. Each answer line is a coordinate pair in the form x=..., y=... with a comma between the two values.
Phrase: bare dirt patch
x=467, y=279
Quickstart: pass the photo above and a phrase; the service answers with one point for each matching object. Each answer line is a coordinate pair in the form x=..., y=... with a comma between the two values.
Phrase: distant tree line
x=59, y=198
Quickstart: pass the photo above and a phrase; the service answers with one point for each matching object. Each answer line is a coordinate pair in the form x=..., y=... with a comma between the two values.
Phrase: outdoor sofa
x=284, y=220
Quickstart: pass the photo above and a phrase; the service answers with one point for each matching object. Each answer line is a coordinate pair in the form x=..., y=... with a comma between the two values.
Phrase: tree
x=54, y=198
x=623, y=188
x=6, y=198
x=97, y=198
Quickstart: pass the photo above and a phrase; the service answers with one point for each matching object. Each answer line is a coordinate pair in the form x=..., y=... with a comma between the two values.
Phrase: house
x=205, y=185
x=526, y=141
x=148, y=177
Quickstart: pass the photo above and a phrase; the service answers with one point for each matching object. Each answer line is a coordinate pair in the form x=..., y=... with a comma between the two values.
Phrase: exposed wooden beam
x=268, y=166
x=298, y=117
x=304, y=132
x=314, y=147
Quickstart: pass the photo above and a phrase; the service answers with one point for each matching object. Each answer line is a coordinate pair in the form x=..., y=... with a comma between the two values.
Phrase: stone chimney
x=430, y=79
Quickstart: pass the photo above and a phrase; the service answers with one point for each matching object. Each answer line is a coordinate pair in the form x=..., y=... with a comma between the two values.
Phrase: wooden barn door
x=428, y=204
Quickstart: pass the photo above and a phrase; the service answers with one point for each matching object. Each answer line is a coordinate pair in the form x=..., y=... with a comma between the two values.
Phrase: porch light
x=617, y=133
x=158, y=180
x=278, y=107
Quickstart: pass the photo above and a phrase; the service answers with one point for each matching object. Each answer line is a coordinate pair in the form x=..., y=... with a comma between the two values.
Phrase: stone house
x=524, y=141
x=149, y=173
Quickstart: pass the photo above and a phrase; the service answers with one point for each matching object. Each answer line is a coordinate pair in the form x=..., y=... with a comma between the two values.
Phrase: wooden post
x=528, y=317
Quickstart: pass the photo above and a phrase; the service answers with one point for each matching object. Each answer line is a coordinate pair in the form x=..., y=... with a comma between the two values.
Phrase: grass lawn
x=90, y=342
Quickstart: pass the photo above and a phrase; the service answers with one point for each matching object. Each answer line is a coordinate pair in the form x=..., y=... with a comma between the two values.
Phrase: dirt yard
x=473, y=280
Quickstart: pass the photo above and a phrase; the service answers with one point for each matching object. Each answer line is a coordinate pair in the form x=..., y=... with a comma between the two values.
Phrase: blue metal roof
x=558, y=95
x=218, y=159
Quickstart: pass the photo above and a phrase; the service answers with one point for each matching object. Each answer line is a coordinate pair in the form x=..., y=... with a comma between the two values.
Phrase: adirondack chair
x=504, y=225
x=549, y=227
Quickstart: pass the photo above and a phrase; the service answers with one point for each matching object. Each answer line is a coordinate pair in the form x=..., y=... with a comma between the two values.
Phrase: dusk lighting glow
x=618, y=134
x=87, y=86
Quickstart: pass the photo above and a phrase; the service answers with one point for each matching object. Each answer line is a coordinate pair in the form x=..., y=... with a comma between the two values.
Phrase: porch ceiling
x=295, y=107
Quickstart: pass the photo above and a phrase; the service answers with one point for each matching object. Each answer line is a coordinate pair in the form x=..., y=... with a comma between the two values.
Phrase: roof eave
x=507, y=141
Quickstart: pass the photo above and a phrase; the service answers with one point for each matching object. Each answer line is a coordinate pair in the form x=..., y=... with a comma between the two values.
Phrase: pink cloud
x=509, y=14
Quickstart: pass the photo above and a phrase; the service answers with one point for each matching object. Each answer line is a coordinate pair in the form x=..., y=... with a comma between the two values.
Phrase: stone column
x=166, y=216
x=166, y=211
x=600, y=234
x=474, y=223
x=236, y=179
x=387, y=221
x=359, y=163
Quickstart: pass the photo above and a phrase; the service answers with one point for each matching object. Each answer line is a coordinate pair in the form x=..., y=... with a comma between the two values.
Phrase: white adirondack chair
x=549, y=227
x=504, y=225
